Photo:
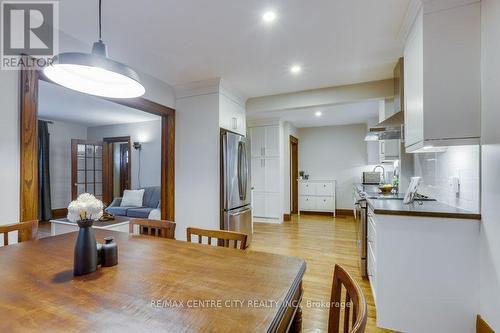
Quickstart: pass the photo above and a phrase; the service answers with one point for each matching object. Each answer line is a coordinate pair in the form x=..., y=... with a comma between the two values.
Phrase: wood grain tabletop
x=158, y=285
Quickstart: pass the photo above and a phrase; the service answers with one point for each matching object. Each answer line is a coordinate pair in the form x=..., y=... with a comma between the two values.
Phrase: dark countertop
x=426, y=209
x=392, y=204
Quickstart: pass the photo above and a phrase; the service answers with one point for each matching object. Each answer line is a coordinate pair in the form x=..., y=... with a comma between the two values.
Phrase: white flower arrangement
x=85, y=207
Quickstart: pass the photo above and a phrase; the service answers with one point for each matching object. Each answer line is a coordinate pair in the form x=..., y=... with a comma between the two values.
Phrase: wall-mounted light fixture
x=137, y=145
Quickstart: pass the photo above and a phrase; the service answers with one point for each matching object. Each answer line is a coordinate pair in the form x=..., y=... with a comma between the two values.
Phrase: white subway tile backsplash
x=438, y=169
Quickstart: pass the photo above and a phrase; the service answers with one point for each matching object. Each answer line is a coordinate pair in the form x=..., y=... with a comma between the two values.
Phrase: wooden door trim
x=108, y=191
x=28, y=203
x=28, y=111
x=293, y=182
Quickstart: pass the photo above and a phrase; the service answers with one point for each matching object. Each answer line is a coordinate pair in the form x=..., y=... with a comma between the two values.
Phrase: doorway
x=28, y=114
x=294, y=174
x=119, y=164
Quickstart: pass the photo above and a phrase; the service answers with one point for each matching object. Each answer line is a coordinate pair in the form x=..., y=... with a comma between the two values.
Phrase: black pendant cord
x=100, y=26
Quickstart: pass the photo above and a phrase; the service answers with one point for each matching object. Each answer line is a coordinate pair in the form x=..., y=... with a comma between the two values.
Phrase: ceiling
x=340, y=114
x=58, y=103
x=337, y=42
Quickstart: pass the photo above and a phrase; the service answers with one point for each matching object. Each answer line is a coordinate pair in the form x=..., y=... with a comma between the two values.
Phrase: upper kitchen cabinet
x=231, y=115
x=442, y=76
x=265, y=141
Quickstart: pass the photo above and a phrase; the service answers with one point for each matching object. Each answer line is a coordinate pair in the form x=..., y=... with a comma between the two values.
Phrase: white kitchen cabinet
x=265, y=141
x=265, y=171
x=258, y=175
x=272, y=146
x=272, y=174
x=442, y=77
x=423, y=272
x=231, y=115
x=257, y=141
x=259, y=204
x=317, y=195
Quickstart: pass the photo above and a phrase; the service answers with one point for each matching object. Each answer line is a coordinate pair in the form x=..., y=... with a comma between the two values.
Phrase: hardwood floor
x=323, y=242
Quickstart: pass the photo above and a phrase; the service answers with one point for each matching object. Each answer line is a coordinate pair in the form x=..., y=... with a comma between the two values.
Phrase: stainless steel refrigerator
x=236, y=206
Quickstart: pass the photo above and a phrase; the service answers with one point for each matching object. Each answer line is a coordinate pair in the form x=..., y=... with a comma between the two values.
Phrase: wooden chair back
x=353, y=321
x=158, y=228
x=26, y=231
x=224, y=238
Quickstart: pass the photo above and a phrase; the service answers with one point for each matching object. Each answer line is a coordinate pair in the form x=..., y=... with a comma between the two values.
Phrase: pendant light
x=95, y=73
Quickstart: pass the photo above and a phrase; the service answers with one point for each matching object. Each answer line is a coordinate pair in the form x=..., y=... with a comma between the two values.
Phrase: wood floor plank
x=323, y=242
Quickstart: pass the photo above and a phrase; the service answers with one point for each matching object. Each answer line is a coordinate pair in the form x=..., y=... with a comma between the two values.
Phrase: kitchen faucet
x=383, y=171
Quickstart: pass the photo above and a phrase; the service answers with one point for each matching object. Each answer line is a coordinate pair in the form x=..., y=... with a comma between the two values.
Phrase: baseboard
x=59, y=213
x=287, y=217
x=306, y=212
x=338, y=212
x=482, y=326
x=344, y=212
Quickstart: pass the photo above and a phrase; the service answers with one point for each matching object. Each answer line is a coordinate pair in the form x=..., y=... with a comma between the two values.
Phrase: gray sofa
x=150, y=201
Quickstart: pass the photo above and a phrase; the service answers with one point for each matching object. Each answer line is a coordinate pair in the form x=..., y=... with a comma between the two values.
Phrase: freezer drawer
x=239, y=220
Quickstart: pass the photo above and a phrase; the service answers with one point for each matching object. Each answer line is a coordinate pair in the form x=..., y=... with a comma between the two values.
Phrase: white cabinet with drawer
x=317, y=195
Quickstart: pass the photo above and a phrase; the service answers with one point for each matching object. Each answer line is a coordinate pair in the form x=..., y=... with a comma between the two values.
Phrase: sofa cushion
x=132, y=198
x=118, y=210
x=142, y=213
x=151, y=197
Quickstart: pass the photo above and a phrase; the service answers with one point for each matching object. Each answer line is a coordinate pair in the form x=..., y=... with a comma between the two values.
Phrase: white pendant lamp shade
x=95, y=74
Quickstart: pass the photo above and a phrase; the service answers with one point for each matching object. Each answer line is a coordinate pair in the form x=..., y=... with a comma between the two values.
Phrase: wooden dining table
x=158, y=285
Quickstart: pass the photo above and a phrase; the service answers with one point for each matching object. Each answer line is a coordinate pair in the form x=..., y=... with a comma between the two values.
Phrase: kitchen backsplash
x=438, y=169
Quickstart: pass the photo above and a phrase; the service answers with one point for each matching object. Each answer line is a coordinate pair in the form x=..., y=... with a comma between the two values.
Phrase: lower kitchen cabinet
x=266, y=205
x=423, y=272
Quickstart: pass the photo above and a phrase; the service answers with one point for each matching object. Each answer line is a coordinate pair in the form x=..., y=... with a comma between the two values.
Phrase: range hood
x=384, y=133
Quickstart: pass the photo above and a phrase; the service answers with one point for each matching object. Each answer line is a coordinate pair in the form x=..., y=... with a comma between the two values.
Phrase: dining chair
x=158, y=228
x=26, y=231
x=354, y=298
x=223, y=237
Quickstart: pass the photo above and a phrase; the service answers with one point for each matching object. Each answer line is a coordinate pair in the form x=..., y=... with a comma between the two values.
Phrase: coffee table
x=63, y=226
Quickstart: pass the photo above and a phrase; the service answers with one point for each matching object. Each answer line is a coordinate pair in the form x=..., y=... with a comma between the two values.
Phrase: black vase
x=85, y=249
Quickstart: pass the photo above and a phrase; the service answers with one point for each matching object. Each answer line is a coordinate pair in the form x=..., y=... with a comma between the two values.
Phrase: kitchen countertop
x=426, y=209
x=392, y=204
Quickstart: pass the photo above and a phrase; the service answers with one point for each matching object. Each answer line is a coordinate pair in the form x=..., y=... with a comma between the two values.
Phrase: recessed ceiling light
x=295, y=69
x=318, y=113
x=269, y=16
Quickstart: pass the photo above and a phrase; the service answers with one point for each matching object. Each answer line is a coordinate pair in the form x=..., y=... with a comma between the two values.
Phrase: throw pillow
x=132, y=198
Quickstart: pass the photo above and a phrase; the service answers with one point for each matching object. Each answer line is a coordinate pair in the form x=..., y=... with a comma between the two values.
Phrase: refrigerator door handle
x=242, y=171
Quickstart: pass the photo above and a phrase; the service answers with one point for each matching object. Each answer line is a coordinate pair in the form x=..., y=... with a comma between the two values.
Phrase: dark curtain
x=44, y=204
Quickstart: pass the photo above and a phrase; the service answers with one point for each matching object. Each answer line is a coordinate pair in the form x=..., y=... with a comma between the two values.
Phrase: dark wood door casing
x=294, y=174
x=124, y=168
x=29, y=79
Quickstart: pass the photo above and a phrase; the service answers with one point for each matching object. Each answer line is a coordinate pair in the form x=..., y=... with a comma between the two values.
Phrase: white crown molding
x=437, y=5
x=206, y=87
x=197, y=88
x=232, y=93
x=411, y=14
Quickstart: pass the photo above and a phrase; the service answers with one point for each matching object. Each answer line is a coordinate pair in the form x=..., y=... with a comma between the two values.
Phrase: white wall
x=149, y=134
x=490, y=162
x=437, y=168
x=337, y=152
x=288, y=129
x=9, y=147
x=61, y=134
x=197, y=163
